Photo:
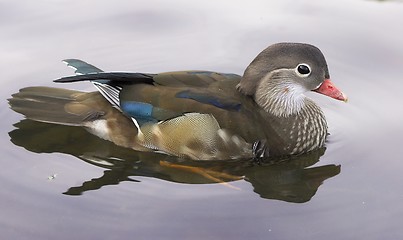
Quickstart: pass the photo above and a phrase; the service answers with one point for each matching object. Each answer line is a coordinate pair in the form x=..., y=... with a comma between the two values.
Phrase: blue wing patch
x=200, y=73
x=142, y=112
x=145, y=112
x=210, y=99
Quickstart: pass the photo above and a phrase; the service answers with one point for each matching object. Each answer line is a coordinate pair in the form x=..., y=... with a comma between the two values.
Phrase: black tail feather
x=109, y=76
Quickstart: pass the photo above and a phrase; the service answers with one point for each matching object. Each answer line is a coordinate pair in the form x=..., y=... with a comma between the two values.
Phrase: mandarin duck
x=199, y=115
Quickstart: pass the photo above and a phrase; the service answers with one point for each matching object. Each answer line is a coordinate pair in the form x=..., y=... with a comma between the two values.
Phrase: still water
x=60, y=182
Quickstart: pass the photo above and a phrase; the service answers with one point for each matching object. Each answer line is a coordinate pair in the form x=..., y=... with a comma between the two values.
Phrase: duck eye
x=303, y=69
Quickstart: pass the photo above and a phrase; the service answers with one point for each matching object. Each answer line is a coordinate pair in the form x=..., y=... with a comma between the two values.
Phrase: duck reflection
x=291, y=179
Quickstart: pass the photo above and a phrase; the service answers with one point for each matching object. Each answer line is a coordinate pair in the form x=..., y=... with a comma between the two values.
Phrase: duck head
x=280, y=75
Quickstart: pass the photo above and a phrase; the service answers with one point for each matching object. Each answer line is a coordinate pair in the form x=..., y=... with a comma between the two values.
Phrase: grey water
x=63, y=183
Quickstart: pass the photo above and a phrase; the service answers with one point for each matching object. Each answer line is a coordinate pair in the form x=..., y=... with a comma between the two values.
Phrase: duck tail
x=52, y=105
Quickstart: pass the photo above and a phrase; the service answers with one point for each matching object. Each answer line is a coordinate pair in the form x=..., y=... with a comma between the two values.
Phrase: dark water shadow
x=291, y=180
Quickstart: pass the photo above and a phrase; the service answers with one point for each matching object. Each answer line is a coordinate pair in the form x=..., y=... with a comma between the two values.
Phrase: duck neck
x=280, y=97
x=297, y=133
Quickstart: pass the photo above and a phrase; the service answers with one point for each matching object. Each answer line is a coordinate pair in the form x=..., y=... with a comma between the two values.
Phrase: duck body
x=206, y=97
x=208, y=115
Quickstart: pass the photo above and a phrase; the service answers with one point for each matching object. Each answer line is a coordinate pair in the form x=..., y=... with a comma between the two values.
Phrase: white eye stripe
x=303, y=70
